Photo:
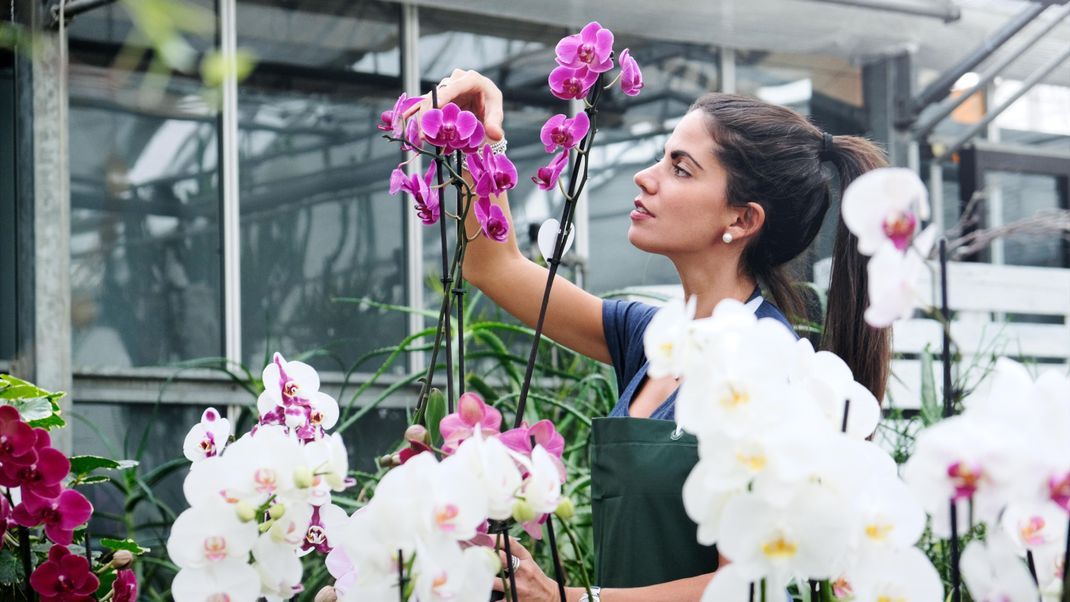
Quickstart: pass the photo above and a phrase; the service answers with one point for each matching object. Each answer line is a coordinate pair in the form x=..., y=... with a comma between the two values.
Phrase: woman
x=738, y=192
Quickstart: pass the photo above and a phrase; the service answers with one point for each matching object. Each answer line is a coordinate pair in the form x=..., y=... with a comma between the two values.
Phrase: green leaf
x=10, y=568
x=81, y=465
x=52, y=422
x=123, y=544
x=931, y=412
x=436, y=411
x=94, y=480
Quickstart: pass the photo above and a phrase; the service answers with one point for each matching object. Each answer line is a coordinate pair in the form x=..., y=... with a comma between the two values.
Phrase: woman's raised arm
x=574, y=316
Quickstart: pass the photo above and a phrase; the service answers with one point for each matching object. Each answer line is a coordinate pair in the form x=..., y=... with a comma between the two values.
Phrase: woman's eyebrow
x=676, y=154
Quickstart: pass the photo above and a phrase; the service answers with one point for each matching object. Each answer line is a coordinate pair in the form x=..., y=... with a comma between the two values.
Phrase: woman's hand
x=471, y=91
x=532, y=584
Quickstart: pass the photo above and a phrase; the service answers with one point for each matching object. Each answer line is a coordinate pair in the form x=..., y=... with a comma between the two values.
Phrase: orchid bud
x=565, y=508
x=417, y=433
x=389, y=461
x=246, y=511
x=266, y=525
x=122, y=559
x=276, y=511
x=470, y=406
x=523, y=511
x=326, y=594
x=303, y=477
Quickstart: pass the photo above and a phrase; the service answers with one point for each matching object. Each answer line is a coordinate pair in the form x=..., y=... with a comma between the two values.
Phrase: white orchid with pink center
x=292, y=398
x=207, y=438
x=885, y=206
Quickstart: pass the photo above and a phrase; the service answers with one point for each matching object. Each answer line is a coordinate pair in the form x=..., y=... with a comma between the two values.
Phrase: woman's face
x=683, y=195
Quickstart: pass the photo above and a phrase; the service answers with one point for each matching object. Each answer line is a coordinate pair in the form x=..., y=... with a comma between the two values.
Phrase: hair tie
x=828, y=149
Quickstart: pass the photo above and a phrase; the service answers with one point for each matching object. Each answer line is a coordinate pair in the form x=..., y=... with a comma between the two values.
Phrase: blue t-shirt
x=623, y=323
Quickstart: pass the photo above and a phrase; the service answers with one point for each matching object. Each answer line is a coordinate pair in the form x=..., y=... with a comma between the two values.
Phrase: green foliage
x=124, y=544
x=37, y=406
x=436, y=411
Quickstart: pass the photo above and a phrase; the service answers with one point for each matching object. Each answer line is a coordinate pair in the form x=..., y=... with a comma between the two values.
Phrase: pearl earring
x=726, y=237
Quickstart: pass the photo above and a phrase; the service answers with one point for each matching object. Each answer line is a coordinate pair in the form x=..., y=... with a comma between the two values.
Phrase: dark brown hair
x=773, y=157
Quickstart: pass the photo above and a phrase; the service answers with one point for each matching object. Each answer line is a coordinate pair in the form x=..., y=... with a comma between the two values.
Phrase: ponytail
x=867, y=350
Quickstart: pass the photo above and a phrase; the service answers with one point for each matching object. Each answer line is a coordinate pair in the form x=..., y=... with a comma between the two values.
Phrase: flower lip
x=641, y=207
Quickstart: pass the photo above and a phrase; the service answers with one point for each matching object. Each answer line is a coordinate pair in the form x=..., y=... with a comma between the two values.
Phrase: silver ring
x=499, y=147
x=514, y=563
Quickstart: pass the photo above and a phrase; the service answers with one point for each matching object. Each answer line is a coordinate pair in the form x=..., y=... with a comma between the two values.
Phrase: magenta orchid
x=493, y=174
x=60, y=515
x=43, y=472
x=425, y=198
x=452, y=129
x=631, y=78
x=124, y=588
x=546, y=177
x=393, y=121
x=64, y=577
x=414, y=138
x=472, y=413
x=562, y=132
x=567, y=83
x=491, y=219
x=17, y=438
x=592, y=49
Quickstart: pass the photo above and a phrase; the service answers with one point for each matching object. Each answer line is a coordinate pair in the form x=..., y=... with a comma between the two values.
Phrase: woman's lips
x=640, y=212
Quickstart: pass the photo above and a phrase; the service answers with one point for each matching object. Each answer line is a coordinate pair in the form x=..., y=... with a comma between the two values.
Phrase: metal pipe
x=230, y=230
x=949, y=104
x=947, y=13
x=1031, y=81
x=74, y=8
x=939, y=88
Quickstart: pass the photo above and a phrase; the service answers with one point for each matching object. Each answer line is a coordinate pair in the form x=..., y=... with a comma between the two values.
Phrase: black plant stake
x=401, y=576
x=945, y=312
x=27, y=560
x=509, y=565
x=559, y=571
x=446, y=279
x=458, y=286
x=1066, y=567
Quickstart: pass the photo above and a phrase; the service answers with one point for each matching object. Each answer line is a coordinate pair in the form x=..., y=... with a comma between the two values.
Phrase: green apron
x=642, y=535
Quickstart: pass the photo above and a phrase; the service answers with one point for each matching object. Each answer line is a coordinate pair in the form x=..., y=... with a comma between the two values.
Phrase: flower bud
x=276, y=511
x=565, y=508
x=417, y=433
x=122, y=559
x=246, y=511
x=523, y=511
x=389, y=461
x=266, y=525
x=326, y=594
x=303, y=477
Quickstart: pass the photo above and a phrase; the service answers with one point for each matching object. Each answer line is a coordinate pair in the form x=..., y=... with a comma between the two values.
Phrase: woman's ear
x=749, y=220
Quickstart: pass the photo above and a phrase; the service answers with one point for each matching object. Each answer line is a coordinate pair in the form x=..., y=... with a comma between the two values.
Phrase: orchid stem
x=1066, y=567
x=615, y=80
x=447, y=279
x=956, y=579
x=559, y=571
x=577, y=180
x=27, y=561
x=579, y=560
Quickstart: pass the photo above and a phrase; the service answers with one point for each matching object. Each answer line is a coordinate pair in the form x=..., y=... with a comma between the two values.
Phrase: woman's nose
x=645, y=180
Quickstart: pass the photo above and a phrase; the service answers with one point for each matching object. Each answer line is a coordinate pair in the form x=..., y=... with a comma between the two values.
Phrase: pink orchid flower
x=562, y=132
x=592, y=48
x=425, y=198
x=471, y=413
x=631, y=78
x=43, y=474
x=17, y=438
x=492, y=219
x=545, y=434
x=567, y=83
x=64, y=577
x=493, y=174
x=124, y=588
x=393, y=121
x=60, y=515
x=546, y=177
x=452, y=129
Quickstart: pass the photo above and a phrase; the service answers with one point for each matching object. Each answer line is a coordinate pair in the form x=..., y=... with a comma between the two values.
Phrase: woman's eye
x=676, y=170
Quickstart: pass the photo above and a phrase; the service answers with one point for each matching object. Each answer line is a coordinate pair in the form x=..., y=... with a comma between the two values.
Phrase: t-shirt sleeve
x=623, y=323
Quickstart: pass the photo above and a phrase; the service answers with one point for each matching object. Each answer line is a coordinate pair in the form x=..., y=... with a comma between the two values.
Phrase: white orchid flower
x=257, y=467
x=885, y=206
x=328, y=459
x=279, y=568
x=207, y=438
x=901, y=574
x=893, y=280
x=232, y=580
x=542, y=487
x=887, y=514
x=666, y=339
x=828, y=381
x=992, y=571
x=209, y=534
x=705, y=499
x=979, y=464
x=804, y=538
x=494, y=466
x=443, y=572
x=286, y=381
